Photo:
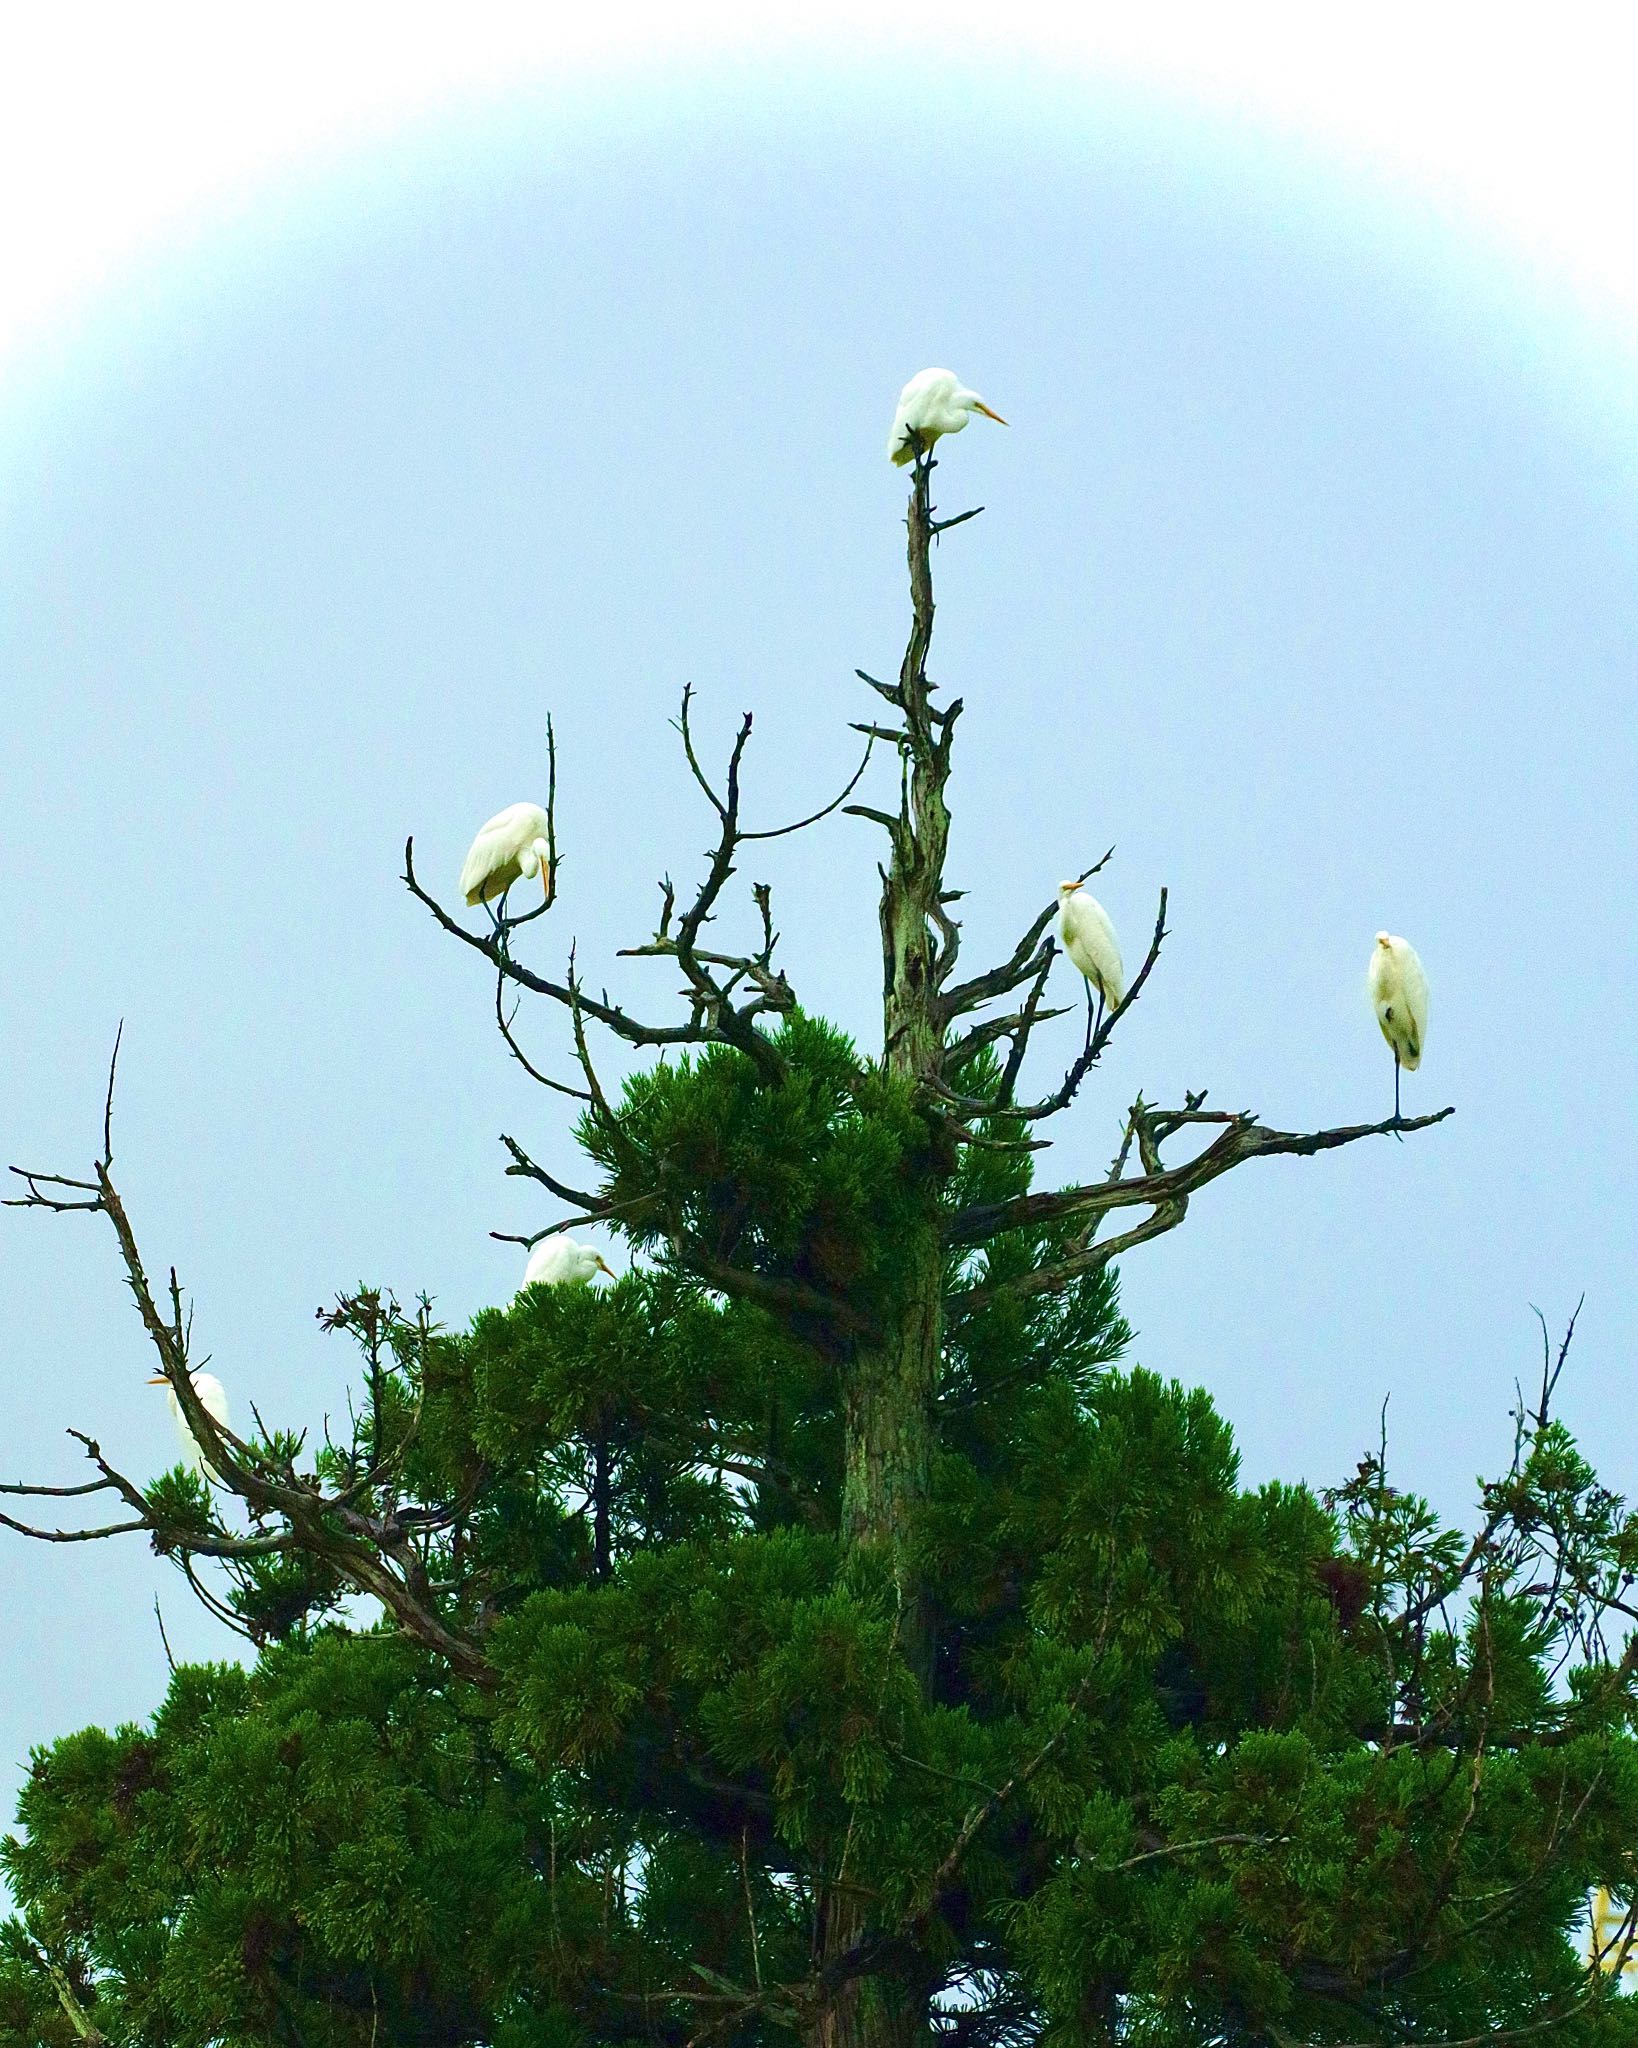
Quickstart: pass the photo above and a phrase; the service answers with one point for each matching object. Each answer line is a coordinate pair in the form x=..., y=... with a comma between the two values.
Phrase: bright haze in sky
x=377, y=380
x=121, y=126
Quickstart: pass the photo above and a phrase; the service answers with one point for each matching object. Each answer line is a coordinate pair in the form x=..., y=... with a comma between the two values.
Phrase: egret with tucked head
x=934, y=402
x=558, y=1260
x=1089, y=940
x=514, y=844
x=1398, y=990
x=212, y=1398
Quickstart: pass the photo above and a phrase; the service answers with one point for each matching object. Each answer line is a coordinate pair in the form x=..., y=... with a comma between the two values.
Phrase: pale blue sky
x=1307, y=578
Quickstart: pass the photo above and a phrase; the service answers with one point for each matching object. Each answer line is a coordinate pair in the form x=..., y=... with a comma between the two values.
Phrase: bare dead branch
x=888, y=690
x=1242, y=1139
x=993, y=1029
x=370, y=1554
x=505, y=1021
x=504, y=923
x=1097, y=1037
x=607, y=1117
x=108, y=1100
x=30, y=1492
x=70, y=1535
x=609, y=1015
x=835, y=804
x=1551, y=1368
x=1024, y=961
x=36, y=1183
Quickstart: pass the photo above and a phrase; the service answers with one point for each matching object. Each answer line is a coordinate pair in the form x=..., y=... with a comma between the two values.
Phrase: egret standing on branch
x=934, y=402
x=559, y=1260
x=1399, y=995
x=212, y=1398
x=514, y=843
x=1089, y=940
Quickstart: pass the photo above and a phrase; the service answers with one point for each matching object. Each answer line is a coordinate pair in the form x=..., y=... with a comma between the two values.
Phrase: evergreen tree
x=820, y=1634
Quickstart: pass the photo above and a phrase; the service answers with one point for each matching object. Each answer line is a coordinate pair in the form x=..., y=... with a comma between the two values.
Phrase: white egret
x=1398, y=990
x=212, y=1398
x=1089, y=940
x=558, y=1260
x=514, y=843
x=934, y=402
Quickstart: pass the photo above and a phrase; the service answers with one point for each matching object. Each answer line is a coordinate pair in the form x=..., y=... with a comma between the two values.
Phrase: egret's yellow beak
x=604, y=1266
x=159, y=1380
x=980, y=406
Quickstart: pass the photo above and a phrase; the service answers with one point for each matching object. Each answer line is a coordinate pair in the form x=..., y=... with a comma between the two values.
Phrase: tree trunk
x=887, y=1416
x=878, y=2010
x=890, y=1388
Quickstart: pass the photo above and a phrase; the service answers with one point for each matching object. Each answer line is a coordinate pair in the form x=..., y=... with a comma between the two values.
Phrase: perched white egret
x=558, y=1260
x=1398, y=990
x=513, y=843
x=934, y=402
x=1089, y=939
x=212, y=1398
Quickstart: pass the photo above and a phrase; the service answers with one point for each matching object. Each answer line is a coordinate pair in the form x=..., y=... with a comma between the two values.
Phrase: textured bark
x=888, y=1401
x=890, y=1387
x=876, y=2011
x=887, y=1413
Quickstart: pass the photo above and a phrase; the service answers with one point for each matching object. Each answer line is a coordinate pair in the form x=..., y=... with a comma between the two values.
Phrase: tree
x=819, y=1634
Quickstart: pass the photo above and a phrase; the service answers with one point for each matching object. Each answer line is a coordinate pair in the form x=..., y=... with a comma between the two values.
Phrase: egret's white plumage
x=1398, y=989
x=1089, y=940
x=514, y=843
x=557, y=1260
x=934, y=402
x=212, y=1398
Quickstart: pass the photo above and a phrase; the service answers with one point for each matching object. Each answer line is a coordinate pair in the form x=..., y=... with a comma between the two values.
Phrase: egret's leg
x=497, y=910
x=1091, y=1026
x=1398, y=1134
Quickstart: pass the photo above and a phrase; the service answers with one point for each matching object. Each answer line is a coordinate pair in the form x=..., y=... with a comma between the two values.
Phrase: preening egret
x=1089, y=940
x=513, y=843
x=212, y=1398
x=934, y=402
x=1399, y=995
x=557, y=1260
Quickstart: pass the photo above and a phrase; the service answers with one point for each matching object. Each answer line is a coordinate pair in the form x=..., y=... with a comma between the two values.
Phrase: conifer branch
x=1168, y=1850
x=85, y=2028
x=788, y=1299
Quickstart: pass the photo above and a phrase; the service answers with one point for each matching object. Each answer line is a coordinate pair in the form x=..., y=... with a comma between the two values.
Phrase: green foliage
x=818, y=1182
x=1192, y=1763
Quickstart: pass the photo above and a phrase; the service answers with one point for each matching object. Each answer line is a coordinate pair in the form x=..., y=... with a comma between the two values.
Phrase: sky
x=355, y=415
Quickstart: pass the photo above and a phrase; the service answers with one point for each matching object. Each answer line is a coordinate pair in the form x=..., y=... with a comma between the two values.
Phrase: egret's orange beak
x=159, y=1380
x=604, y=1266
x=980, y=406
